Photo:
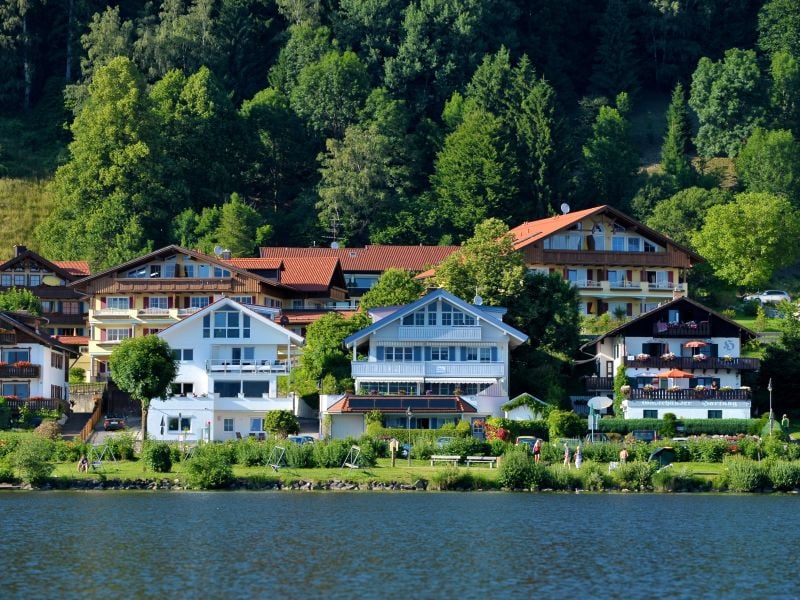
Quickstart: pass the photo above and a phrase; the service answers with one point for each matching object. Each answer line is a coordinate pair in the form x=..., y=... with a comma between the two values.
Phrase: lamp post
x=408, y=415
x=771, y=417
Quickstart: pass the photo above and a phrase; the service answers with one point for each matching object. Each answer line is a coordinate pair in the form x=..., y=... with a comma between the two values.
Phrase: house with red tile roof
x=435, y=361
x=363, y=266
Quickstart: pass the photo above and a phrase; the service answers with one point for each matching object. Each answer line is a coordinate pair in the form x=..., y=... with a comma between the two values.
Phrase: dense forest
x=290, y=122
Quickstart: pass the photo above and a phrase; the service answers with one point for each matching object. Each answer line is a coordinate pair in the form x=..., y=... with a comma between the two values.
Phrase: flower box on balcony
x=699, y=357
x=22, y=363
x=674, y=389
x=726, y=388
x=668, y=356
x=642, y=356
x=727, y=358
x=699, y=388
x=648, y=387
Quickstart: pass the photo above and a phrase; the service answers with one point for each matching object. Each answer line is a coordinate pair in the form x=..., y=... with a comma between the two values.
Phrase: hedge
x=691, y=426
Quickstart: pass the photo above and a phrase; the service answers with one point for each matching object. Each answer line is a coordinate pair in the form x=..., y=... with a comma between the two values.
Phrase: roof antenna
x=477, y=300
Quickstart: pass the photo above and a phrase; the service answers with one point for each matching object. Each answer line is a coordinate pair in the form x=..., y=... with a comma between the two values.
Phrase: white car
x=769, y=296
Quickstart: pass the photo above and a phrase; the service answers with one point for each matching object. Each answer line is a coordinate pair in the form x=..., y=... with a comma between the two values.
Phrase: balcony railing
x=690, y=329
x=174, y=284
x=154, y=312
x=9, y=338
x=688, y=394
x=456, y=333
x=227, y=365
x=35, y=403
x=592, y=384
x=427, y=369
x=688, y=363
x=13, y=372
x=113, y=312
x=185, y=312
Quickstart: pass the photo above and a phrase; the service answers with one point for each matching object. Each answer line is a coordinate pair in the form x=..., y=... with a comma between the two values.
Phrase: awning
x=460, y=380
x=390, y=379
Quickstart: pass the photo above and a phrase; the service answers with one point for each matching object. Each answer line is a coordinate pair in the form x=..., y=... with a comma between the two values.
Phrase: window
x=183, y=354
x=673, y=316
x=398, y=354
x=56, y=391
x=447, y=315
x=416, y=318
x=5, y=280
x=254, y=389
x=618, y=243
x=470, y=354
x=715, y=414
x=159, y=302
x=390, y=387
x=16, y=355
x=650, y=414
x=634, y=244
x=256, y=424
x=139, y=273
x=245, y=299
x=155, y=271
x=188, y=270
x=431, y=315
x=19, y=389
x=56, y=360
x=19, y=280
x=245, y=326
x=227, y=389
x=117, y=334
x=206, y=326
x=220, y=272
x=203, y=270
x=177, y=424
x=226, y=324
x=198, y=301
x=118, y=303
x=486, y=355
x=71, y=308
x=440, y=353
x=649, y=246
x=48, y=306
x=616, y=278
x=34, y=280
x=227, y=424
x=170, y=270
x=182, y=389
x=461, y=319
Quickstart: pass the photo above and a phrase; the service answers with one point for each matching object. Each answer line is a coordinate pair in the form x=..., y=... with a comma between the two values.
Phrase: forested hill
x=246, y=122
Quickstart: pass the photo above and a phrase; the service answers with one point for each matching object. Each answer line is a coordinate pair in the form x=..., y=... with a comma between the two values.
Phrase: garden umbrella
x=674, y=374
x=695, y=344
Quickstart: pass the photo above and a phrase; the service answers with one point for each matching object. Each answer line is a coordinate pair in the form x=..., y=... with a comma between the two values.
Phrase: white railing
x=427, y=369
x=367, y=369
x=182, y=312
x=456, y=333
x=228, y=365
x=154, y=312
x=112, y=312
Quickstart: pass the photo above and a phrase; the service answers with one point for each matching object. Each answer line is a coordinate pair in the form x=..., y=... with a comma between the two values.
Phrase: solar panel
x=361, y=403
x=443, y=403
x=416, y=403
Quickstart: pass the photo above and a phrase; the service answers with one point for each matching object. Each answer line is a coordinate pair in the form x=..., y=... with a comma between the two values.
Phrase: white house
x=681, y=358
x=34, y=367
x=230, y=358
x=435, y=361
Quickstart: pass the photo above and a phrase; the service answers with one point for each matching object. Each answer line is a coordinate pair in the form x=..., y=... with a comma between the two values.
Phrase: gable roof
x=256, y=264
x=375, y=258
x=14, y=321
x=533, y=231
x=167, y=251
x=304, y=274
x=665, y=307
x=427, y=299
x=66, y=272
x=79, y=268
x=350, y=403
x=248, y=310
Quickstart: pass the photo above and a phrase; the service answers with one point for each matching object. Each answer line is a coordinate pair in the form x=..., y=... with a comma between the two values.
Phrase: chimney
x=678, y=291
x=226, y=254
x=19, y=250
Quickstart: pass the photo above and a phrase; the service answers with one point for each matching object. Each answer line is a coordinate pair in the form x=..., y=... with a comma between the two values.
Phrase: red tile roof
x=370, y=258
x=399, y=404
x=74, y=267
x=530, y=231
x=73, y=340
x=310, y=274
x=256, y=263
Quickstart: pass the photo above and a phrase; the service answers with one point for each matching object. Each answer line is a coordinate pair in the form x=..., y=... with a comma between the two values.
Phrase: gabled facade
x=148, y=294
x=64, y=309
x=434, y=361
x=230, y=358
x=700, y=348
x=362, y=267
x=34, y=367
x=617, y=264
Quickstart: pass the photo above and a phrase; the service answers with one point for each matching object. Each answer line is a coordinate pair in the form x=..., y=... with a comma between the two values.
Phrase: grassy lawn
x=750, y=323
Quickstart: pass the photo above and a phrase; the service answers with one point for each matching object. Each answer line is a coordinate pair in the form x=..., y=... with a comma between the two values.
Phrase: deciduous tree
x=770, y=162
x=395, y=287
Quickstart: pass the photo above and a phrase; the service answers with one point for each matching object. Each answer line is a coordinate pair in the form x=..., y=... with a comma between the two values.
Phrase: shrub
x=516, y=470
x=565, y=424
x=678, y=480
x=668, y=426
x=251, y=453
x=330, y=454
x=594, y=477
x=49, y=430
x=635, y=475
x=468, y=446
x=707, y=449
x=424, y=449
x=77, y=375
x=32, y=459
x=601, y=451
x=784, y=475
x=299, y=456
x=744, y=475
x=158, y=456
x=750, y=447
x=463, y=428
x=121, y=444
x=775, y=447
x=8, y=443
x=536, y=428
x=70, y=451
x=452, y=478
x=281, y=423
x=210, y=468
x=498, y=447
x=6, y=471
x=540, y=478
x=378, y=448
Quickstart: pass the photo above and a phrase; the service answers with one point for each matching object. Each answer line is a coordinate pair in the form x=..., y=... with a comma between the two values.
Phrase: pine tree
x=674, y=159
x=615, y=66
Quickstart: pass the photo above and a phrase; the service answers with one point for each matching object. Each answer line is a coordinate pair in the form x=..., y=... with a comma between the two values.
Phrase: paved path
x=74, y=425
x=99, y=435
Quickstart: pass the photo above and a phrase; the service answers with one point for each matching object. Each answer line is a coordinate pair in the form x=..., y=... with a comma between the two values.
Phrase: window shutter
x=427, y=353
x=589, y=307
x=463, y=353
x=211, y=299
x=629, y=275
x=146, y=302
x=103, y=335
x=170, y=302
x=186, y=302
x=103, y=303
x=417, y=353
x=601, y=275
x=589, y=274
x=692, y=382
x=452, y=352
x=603, y=308
x=643, y=276
x=131, y=302
x=130, y=331
x=629, y=309
x=494, y=354
x=564, y=272
x=379, y=352
x=670, y=277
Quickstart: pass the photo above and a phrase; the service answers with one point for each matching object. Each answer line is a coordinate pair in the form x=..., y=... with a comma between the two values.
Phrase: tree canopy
x=395, y=287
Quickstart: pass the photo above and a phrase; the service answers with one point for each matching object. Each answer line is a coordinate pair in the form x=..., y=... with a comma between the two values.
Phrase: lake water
x=371, y=545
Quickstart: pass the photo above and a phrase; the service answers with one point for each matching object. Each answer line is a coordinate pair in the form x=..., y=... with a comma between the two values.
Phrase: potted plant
x=642, y=356
x=674, y=389
x=668, y=356
x=626, y=390
x=727, y=358
x=648, y=387
x=699, y=356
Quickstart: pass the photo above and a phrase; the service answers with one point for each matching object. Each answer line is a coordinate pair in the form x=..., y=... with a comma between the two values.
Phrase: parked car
x=114, y=423
x=526, y=440
x=769, y=296
x=443, y=441
x=644, y=435
x=301, y=439
x=599, y=436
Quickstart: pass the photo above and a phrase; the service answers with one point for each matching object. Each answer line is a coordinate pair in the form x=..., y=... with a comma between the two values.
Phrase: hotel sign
x=690, y=403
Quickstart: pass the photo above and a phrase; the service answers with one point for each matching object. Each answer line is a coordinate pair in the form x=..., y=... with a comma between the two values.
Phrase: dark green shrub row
x=158, y=456
x=536, y=428
x=210, y=467
x=691, y=426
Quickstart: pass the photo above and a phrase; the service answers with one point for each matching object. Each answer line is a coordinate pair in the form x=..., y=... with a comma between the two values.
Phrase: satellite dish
x=477, y=301
x=600, y=402
x=218, y=250
x=565, y=208
x=334, y=245
x=51, y=280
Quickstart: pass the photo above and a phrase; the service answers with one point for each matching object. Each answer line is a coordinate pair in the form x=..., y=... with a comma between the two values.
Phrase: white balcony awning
x=390, y=378
x=460, y=380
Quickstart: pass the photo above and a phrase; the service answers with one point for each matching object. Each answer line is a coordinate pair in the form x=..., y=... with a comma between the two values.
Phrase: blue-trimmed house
x=434, y=361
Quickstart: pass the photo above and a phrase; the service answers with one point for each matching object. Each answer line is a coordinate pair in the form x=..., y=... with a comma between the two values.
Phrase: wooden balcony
x=35, y=403
x=687, y=363
x=8, y=337
x=691, y=329
x=603, y=258
x=26, y=372
x=688, y=394
x=592, y=384
x=175, y=285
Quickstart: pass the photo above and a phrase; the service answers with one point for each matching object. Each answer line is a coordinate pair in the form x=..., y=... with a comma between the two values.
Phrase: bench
x=491, y=460
x=454, y=458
